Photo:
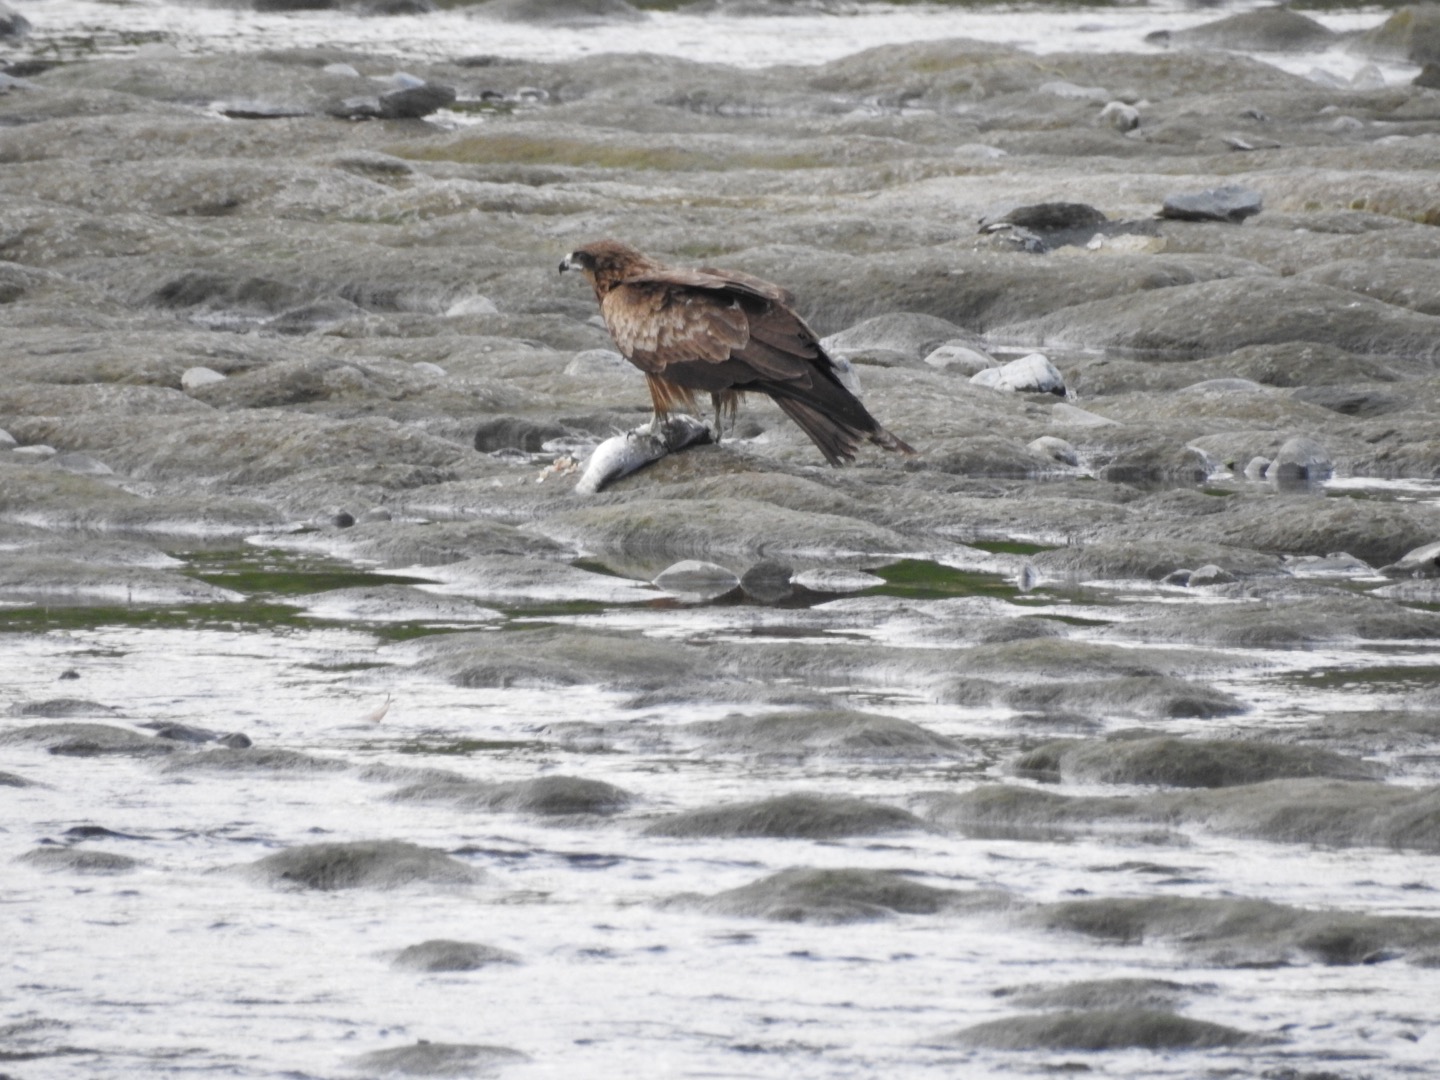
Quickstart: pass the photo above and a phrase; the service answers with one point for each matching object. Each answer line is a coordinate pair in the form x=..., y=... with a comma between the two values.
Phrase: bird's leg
x=719, y=402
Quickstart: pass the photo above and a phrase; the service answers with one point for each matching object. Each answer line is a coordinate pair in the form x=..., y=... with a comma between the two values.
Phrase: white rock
x=199, y=376
x=1030, y=374
x=1055, y=449
x=472, y=305
x=1120, y=116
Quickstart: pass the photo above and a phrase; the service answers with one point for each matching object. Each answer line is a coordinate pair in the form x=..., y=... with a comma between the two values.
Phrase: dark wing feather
x=723, y=330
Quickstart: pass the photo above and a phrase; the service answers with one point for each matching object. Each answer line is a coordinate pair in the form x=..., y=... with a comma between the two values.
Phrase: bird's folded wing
x=659, y=323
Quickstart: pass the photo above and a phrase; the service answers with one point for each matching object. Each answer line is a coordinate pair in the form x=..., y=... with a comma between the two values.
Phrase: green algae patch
x=917, y=579
x=278, y=573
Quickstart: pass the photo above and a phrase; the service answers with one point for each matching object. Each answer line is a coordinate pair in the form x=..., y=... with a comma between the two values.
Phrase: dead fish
x=621, y=455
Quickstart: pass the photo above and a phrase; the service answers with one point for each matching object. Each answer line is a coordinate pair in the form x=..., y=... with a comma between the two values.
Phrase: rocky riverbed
x=343, y=735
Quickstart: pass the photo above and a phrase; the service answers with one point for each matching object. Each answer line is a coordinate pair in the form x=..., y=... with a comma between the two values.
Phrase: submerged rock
x=87, y=740
x=546, y=795
x=363, y=864
x=79, y=860
x=1132, y=993
x=1103, y=1029
x=847, y=736
x=796, y=816
x=1200, y=763
x=839, y=896
x=1241, y=932
x=439, y=1059
x=252, y=759
x=1298, y=810
x=441, y=954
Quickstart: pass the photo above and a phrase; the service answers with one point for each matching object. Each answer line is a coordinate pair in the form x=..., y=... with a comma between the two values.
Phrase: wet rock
x=546, y=795
x=1267, y=30
x=1243, y=932
x=363, y=864
x=1033, y=374
x=1026, y=813
x=60, y=708
x=1209, y=574
x=1158, y=461
x=768, y=582
x=1058, y=449
x=1376, y=532
x=839, y=896
x=9, y=779
x=696, y=581
x=517, y=433
x=1148, y=560
x=899, y=338
x=402, y=103
x=1104, y=1029
x=1120, y=115
x=1420, y=562
x=439, y=1059
x=1206, y=763
x=836, y=580
x=963, y=359
x=250, y=759
x=796, y=816
x=183, y=733
x=1051, y=224
x=1133, y=993
x=13, y=26
x=395, y=603
x=1142, y=696
x=78, y=860
x=1353, y=400
x=1412, y=33
x=1231, y=203
x=1301, y=622
x=846, y=736
x=1337, y=813
x=710, y=528
x=87, y=740
x=441, y=954
x=1299, y=461
x=1409, y=283
x=516, y=579
x=561, y=12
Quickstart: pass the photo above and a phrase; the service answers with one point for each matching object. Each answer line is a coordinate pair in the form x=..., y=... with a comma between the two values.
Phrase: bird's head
x=605, y=263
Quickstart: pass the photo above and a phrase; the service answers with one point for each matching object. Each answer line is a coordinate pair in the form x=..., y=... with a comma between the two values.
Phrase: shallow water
x=81, y=28
x=184, y=966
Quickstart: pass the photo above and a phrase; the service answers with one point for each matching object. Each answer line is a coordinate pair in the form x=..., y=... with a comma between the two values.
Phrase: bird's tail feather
x=834, y=419
x=836, y=439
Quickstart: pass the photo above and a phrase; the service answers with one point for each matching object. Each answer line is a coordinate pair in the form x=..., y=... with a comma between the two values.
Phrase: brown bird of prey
x=726, y=333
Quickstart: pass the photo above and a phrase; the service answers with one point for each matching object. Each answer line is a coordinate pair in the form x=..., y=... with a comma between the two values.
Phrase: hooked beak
x=569, y=263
